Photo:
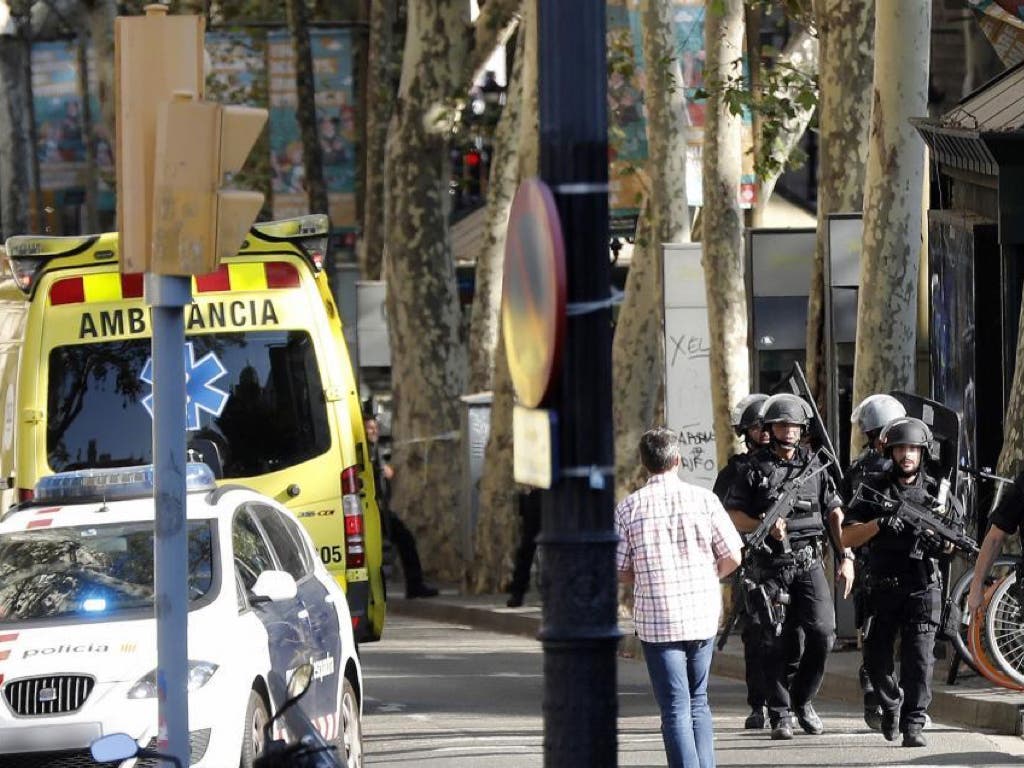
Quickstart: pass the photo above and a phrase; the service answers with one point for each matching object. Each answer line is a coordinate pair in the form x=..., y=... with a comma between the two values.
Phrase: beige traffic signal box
x=155, y=56
x=173, y=150
x=196, y=224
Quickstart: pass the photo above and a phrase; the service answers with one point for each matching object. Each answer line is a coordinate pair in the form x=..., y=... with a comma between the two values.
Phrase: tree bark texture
x=14, y=142
x=361, y=71
x=100, y=21
x=424, y=318
x=305, y=108
x=801, y=53
x=91, y=173
x=638, y=357
x=1011, y=456
x=846, y=30
x=382, y=86
x=891, y=250
x=493, y=27
x=723, y=227
x=666, y=124
x=498, y=522
x=501, y=188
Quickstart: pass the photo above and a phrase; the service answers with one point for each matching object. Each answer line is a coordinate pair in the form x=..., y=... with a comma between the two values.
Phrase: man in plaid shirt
x=675, y=543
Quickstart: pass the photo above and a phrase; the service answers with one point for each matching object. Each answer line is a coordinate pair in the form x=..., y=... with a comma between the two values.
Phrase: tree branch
x=493, y=27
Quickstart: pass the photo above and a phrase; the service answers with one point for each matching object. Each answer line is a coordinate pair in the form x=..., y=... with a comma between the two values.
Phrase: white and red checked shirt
x=671, y=535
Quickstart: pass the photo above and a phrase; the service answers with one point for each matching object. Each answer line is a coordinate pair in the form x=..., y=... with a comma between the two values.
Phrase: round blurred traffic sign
x=533, y=292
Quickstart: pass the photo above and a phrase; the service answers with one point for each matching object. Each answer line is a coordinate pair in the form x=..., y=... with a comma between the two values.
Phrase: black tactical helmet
x=786, y=408
x=907, y=431
x=748, y=412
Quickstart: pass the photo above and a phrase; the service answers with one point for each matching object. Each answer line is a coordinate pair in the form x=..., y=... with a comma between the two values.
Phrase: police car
x=78, y=632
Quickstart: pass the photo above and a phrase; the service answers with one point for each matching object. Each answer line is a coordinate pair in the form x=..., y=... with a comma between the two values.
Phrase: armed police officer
x=904, y=589
x=786, y=578
x=872, y=415
x=746, y=421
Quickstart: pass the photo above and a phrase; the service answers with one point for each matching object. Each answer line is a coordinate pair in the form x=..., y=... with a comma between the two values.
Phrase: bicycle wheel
x=954, y=628
x=1005, y=630
x=980, y=650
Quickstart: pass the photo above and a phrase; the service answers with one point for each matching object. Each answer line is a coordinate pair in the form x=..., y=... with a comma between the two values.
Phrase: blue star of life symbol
x=200, y=393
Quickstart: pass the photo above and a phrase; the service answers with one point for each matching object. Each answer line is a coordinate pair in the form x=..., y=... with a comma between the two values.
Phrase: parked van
x=272, y=402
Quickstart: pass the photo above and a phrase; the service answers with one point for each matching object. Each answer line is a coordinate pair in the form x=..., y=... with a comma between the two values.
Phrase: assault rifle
x=783, y=504
x=924, y=522
x=736, y=610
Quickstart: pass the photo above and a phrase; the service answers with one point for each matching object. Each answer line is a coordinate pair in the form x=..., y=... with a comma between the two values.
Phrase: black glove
x=891, y=524
x=932, y=543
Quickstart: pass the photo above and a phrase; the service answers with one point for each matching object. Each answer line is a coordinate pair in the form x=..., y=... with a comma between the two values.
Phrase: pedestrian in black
x=529, y=518
x=391, y=523
x=746, y=421
x=793, y=576
x=872, y=415
x=904, y=592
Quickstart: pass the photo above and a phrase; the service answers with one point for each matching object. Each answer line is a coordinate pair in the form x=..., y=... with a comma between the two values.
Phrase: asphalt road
x=447, y=695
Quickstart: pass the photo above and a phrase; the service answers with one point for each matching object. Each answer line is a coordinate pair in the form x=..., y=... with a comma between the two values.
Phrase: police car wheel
x=350, y=742
x=256, y=717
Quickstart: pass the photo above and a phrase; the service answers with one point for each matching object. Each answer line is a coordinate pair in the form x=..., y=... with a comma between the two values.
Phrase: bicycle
x=1003, y=627
x=955, y=622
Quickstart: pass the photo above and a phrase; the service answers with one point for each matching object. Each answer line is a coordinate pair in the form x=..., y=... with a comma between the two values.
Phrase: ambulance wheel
x=350, y=740
x=256, y=718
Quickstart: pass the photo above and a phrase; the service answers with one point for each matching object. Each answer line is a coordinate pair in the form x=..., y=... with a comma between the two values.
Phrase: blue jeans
x=679, y=675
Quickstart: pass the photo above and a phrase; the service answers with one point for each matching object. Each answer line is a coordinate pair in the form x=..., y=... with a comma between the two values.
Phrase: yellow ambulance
x=271, y=399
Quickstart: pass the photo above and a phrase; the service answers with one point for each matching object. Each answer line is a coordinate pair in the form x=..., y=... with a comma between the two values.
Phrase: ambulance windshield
x=254, y=398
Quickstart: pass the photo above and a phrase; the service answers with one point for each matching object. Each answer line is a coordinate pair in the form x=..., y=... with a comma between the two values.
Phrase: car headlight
x=199, y=673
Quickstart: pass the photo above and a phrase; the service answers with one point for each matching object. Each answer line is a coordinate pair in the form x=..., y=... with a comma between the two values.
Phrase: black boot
x=783, y=730
x=809, y=720
x=420, y=589
x=914, y=738
x=755, y=720
x=873, y=718
x=890, y=724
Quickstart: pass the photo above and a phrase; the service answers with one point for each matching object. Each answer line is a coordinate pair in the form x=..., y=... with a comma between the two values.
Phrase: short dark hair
x=659, y=449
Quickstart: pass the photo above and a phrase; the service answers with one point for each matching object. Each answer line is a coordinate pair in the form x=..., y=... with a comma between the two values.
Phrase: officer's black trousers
x=913, y=614
x=810, y=610
x=405, y=543
x=757, y=695
x=754, y=660
x=530, y=512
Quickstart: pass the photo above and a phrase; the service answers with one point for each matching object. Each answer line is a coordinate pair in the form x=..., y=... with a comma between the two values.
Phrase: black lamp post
x=579, y=630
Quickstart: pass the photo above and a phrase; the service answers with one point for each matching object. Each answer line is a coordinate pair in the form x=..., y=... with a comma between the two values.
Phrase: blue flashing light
x=115, y=483
x=94, y=604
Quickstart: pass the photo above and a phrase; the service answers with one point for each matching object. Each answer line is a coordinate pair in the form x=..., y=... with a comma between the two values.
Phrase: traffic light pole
x=168, y=295
x=579, y=630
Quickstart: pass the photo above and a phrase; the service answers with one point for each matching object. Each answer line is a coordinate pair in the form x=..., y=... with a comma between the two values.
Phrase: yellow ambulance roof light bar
x=311, y=232
x=27, y=254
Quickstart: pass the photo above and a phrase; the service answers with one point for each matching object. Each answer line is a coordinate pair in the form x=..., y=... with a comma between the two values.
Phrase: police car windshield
x=90, y=572
x=255, y=399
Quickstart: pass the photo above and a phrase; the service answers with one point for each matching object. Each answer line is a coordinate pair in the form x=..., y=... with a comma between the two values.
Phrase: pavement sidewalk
x=972, y=702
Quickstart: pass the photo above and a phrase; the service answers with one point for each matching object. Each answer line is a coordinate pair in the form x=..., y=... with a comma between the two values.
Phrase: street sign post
x=173, y=222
